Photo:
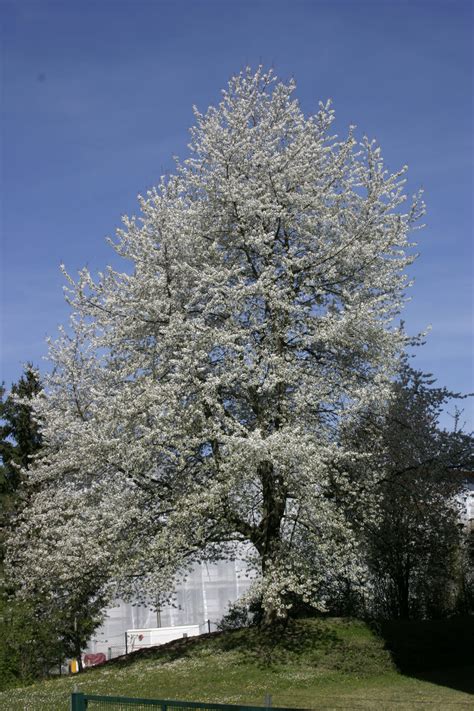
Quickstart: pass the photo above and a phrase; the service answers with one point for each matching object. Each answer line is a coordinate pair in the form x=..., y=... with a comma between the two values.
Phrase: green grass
x=316, y=664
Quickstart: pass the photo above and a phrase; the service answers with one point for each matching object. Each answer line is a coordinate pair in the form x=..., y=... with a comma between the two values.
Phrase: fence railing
x=92, y=702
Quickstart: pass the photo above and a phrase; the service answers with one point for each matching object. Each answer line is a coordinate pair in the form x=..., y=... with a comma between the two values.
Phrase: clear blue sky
x=97, y=96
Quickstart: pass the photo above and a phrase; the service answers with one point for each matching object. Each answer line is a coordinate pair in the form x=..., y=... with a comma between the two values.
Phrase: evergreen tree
x=23, y=634
x=20, y=436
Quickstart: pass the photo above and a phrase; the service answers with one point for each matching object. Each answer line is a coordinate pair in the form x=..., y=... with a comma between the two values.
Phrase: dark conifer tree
x=20, y=437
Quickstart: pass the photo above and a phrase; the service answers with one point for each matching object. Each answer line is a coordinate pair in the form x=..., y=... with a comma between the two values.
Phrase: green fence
x=91, y=702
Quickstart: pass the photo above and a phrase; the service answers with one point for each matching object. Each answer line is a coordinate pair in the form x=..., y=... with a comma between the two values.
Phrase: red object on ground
x=92, y=660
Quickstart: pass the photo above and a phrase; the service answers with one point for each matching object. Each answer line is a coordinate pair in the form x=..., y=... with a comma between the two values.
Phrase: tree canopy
x=42, y=629
x=196, y=402
x=413, y=540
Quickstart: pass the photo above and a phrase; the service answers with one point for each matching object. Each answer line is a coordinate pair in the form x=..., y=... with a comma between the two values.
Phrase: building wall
x=204, y=596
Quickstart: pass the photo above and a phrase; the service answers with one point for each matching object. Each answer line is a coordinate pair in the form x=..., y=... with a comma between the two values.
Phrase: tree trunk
x=268, y=534
x=403, y=592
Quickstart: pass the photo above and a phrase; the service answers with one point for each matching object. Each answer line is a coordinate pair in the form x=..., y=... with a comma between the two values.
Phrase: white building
x=200, y=602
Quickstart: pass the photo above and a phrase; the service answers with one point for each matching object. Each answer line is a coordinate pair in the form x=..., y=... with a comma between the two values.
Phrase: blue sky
x=97, y=97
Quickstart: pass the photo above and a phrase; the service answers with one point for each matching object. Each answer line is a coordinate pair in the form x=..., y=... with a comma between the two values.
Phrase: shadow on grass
x=437, y=651
x=262, y=648
x=269, y=647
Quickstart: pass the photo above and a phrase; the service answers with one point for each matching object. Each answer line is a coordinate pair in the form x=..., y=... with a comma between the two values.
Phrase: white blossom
x=196, y=399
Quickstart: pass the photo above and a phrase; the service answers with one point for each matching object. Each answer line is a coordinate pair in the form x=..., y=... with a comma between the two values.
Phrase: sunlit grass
x=315, y=664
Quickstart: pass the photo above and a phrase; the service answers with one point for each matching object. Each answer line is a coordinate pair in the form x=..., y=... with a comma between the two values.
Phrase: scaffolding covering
x=202, y=599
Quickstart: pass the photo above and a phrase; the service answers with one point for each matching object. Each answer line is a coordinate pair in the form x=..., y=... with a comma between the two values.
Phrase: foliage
x=20, y=433
x=196, y=403
x=465, y=573
x=20, y=436
x=39, y=636
x=38, y=630
x=414, y=538
x=20, y=439
x=240, y=615
x=29, y=646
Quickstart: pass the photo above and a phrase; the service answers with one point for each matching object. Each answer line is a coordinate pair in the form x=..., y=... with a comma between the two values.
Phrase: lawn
x=316, y=664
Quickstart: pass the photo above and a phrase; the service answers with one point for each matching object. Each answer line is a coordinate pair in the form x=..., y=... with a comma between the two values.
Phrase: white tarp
x=204, y=596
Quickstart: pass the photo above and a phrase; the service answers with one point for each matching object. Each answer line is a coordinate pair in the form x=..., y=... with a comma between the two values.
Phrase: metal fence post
x=78, y=701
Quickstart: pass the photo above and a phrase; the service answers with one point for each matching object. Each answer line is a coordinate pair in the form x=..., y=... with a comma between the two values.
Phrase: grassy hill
x=315, y=664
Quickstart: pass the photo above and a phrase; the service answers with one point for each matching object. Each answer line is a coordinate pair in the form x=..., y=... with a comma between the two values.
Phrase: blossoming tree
x=195, y=402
